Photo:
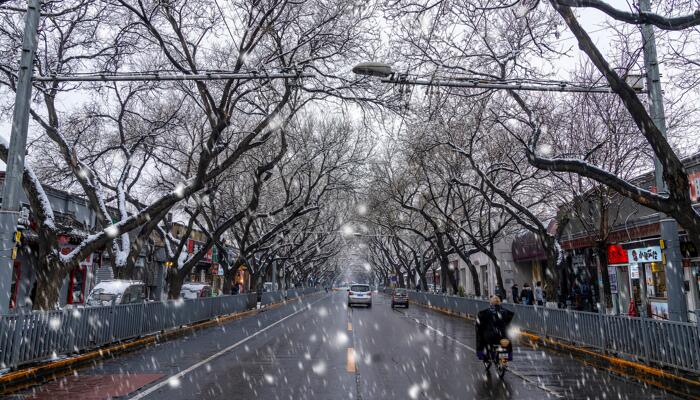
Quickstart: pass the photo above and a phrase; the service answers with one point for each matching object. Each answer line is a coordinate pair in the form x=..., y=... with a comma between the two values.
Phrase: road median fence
x=35, y=336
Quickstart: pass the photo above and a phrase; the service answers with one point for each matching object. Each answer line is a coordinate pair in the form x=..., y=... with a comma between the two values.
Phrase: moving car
x=117, y=291
x=359, y=294
x=193, y=290
x=399, y=297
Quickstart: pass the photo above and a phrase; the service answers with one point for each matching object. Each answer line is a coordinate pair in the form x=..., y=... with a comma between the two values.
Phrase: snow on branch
x=638, y=17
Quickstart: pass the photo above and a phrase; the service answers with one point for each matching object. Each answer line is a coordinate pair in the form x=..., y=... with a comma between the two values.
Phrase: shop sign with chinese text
x=645, y=254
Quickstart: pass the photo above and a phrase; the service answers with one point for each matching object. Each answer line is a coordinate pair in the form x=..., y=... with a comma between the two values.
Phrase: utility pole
x=677, y=307
x=9, y=211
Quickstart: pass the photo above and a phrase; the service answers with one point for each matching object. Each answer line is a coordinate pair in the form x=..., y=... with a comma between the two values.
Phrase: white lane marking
x=176, y=377
x=523, y=377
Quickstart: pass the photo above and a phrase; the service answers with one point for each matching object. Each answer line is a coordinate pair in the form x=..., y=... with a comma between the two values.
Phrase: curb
x=671, y=383
x=30, y=376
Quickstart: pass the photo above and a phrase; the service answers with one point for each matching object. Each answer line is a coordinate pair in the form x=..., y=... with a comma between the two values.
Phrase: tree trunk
x=602, y=253
x=399, y=276
x=446, y=273
x=48, y=286
x=175, y=280
x=411, y=279
x=551, y=276
x=497, y=268
x=422, y=280
x=475, y=277
x=278, y=278
x=228, y=280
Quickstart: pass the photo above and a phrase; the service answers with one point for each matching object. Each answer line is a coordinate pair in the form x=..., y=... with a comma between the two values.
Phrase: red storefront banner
x=194, y=246
x=617, y=255
x=694, y=180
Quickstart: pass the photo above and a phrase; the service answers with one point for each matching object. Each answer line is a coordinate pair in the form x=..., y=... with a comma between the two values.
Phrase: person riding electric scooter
x=491, y=333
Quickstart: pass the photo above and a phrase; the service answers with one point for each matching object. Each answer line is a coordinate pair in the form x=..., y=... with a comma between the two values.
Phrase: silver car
x=360, y=294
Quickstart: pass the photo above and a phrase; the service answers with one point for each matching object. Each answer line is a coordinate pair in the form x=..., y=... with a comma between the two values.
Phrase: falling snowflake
x=55, y=323
x=414, y=391
x=341, y=339
x=112, y=231
x=179, y=190
x=319, y=368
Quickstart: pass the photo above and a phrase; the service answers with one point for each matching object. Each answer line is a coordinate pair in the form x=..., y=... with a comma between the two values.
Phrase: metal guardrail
x=281, y=295
x=272, y=297
x=40, y=335
x=653, y=342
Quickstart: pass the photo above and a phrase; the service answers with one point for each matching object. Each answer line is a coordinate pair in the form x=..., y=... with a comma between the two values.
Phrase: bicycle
x=498, y=356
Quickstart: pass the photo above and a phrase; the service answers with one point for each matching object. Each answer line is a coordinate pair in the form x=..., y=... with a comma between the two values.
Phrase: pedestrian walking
x=577, y=300
x=515, y=293
x=539, y=294
x=500, y=293
x=586, y=301
x=561, y=298
x=526, y=296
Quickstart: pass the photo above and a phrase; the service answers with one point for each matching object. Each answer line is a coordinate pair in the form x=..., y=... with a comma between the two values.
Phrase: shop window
x=656, y=279
x=77, y=285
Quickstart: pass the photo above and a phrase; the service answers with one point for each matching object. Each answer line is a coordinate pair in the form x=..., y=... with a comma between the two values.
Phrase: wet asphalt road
x=320, y=349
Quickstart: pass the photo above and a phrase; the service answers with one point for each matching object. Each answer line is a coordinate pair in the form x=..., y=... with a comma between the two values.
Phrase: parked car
x=117, y=291
x=359, y=294
x=193, y=290
x=399, y=297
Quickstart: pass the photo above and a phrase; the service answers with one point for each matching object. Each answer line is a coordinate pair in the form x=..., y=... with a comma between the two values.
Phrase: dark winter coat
x=527, y=296
x=501, y=293
x=492, y=326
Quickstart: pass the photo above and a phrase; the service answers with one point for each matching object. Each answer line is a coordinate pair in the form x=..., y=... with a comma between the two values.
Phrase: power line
x=497, y=84
x=130, y=77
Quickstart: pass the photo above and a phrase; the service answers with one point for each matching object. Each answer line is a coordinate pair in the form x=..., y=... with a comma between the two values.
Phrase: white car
x=117, y=291
x=193, y=290
x=360, y=294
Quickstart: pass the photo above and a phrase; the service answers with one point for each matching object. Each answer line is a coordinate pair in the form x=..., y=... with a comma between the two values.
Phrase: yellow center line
x=351, y=360
x=349, y=327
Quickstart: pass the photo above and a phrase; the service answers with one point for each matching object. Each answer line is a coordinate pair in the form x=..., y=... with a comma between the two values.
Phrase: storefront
x=80, y=279
x=530, y=261
x=242, y=279
x=202, y=272
x=691, y=274
x=217, y=284
x=641, y=278
x=618, y=265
